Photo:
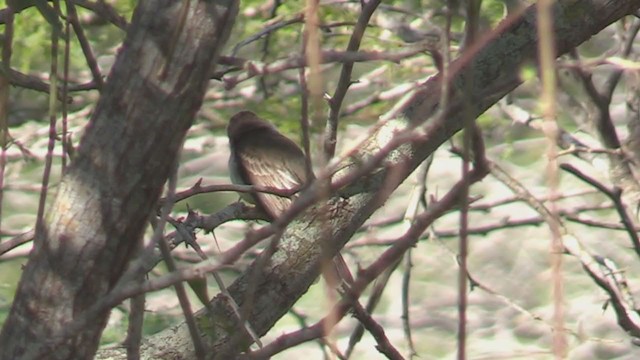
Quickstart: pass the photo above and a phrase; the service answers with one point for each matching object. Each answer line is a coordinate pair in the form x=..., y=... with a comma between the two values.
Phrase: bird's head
x=245, y=122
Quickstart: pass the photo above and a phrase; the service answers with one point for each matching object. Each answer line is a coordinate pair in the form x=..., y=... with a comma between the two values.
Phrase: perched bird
x=261, y=155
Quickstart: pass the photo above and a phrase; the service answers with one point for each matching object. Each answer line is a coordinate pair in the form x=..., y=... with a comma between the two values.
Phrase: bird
x=261, y=155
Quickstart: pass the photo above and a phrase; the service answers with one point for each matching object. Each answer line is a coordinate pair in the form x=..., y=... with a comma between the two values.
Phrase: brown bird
x=261, y=155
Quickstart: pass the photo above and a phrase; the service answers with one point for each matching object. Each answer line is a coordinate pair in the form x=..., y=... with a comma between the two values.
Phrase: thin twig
x=16, y=241
x=35, y=83
x=335, y=103
x=377, y=331
x=266, y=31
x=65, y=88
x=304, y=113
x=105, y=11
x=53, y=91
x=191, y=241
x=374, y=299
x=198, y=188
x=7, y=43
x=171, y=266
x=614, y=78
x=547, y=56
x=615, y=195
x=133, y=341
x=296, y=61
x=302, y=321
x=84, y=45
x=266, y=45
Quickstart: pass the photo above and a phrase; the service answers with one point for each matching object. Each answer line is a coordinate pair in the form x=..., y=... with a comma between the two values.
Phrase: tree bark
x=478, y=80
x=108, y=192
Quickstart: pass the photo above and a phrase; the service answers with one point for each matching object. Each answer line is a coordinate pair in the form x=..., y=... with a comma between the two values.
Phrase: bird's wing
x=279, y=167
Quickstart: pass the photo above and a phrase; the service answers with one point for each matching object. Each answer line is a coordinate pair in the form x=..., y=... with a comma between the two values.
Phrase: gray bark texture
x=107, y=194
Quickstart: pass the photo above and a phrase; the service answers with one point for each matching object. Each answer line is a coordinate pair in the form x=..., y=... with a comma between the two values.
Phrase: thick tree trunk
x=107, y=194
x=477, y=84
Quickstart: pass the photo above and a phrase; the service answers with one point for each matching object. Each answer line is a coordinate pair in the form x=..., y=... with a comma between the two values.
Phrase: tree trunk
x=108, y=192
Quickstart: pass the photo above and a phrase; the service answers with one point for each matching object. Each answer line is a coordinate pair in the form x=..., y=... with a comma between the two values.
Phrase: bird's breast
x=236, y=177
